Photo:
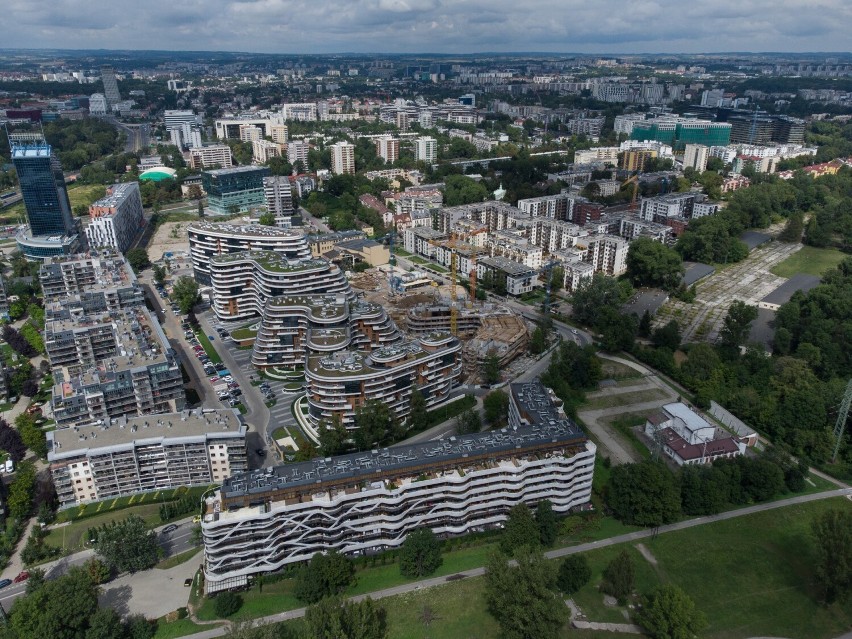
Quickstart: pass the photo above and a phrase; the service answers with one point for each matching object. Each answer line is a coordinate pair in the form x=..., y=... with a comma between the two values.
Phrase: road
x=554, y=554
x=138, y=135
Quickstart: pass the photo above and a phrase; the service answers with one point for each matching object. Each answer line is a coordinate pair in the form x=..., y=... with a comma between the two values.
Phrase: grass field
x=208, y=347
x=72, y=537
x=810, y=260
x=177, y=560
x=623, y=399
x=179, y=628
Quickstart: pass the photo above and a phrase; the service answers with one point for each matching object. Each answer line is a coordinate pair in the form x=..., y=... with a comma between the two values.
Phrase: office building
x=338, y=383
x=117, y=218
x=235, y=189
x=243, y=282
x=279, y=200
x=110, y=363
x=695, y=156
x=607, y=155
x=211, y=156
x=678, y=132
x=85, y=284
x=98, y=104
x=126, y=455
x=387, y=148
x=229, y=128
x=426, y=149
x=260, y=522
x=206, y=240
x=294, y=327
x=297, y=151
x=111, y=93
x=52, y=229
x=184, y=128
x=343, y=158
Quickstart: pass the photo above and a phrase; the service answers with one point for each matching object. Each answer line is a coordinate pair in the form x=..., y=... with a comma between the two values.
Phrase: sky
x=435, y=26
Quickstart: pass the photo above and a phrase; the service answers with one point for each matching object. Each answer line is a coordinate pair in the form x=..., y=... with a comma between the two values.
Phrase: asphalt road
x=553, y=554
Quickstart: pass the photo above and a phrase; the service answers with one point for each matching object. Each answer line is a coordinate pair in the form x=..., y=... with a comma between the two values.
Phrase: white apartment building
x=251, y=133
x=297, y=151
x=279, y=199
x=695, y=156
x=426, y=149
x=421, y=240
x=261, y=521
x=343, y=158
x=279, y=133
x=387, y=148
x=117, y=218
x=230, y=127
x=575, y=273
x=211, y=155
x=660, y=208
x=607, y=253
x=597, y=155
x=264, y=150
x=624, y=123
x=126, y=455
x=299, y=111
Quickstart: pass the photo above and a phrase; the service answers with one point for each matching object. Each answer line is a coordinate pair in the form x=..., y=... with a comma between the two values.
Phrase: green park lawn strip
x=177, y=560
x=810, y=260
x=72, y=537
x=417, y=260
x=623, y=399
x=208, y=347
x=179, y=628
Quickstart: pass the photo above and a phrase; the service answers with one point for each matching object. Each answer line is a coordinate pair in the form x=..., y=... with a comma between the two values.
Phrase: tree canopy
x=832, y=531
x=325, y=575
x=420, y=554
x=128, y=545
x=652, y=263
x=669, y=613
x=185, y=293
x=644, y=494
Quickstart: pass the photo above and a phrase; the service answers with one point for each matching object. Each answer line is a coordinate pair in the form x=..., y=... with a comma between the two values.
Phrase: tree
x=128, y=546
x=138, y=259
x=420, y=554
x=643, y=494
x=574, y=573
x=832, y=531
x=595, y=294
x=31, y=433
x=267, y=219
x=468, y=422
x=538, y=341
x=332, y=437
x=618, y=577
x=548, y=522
x=736, y=324
x=185, y=293
x=794, y=228
x=460, y=189
x=491, y=368
x=333, y=619
x=652, y=263
x=20, y=498
x=667, y=336
x=97, y=570
x=159, y=274
x=418, y=416
x=618, y=331
x=226, y=604
x=60, y=608
x=645, y=324
x=374, y=423
x=105, y=624
x=522, y=599
x=669, y=613
x=496, y=405
x=323, y=576
x=521, y=530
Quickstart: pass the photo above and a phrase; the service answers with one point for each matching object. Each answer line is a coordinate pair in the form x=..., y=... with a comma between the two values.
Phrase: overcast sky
x=441, y=26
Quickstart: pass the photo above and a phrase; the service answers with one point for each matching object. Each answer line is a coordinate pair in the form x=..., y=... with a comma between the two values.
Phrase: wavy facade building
x=243, y=282
x=207, y=240
x=261, y=521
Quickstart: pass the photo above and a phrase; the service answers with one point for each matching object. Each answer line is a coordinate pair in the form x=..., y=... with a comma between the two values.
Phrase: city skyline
x=438, y=26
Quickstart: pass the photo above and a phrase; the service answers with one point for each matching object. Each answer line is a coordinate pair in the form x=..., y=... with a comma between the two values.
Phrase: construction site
x=419, y=305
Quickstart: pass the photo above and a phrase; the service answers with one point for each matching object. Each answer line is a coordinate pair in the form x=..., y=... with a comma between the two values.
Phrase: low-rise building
x=89, y=283
x=261, y=521
x=688, y=438
x=504, y=274
x=126, y=455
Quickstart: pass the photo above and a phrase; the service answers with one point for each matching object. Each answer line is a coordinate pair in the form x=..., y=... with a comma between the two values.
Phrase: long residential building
x=111, y=363
x=340, y=382
x=261, y=521
x=207, y=240
x=128, y=455
x=243, y=282
x=92, y=283
x=117, y=218
x=211, y=155
x=295, y=326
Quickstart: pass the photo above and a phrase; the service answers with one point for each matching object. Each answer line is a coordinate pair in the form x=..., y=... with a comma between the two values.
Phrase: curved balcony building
x=260, y=521
x=293, y=327
x=207, y=240
x=243, y=282
x=339, y=383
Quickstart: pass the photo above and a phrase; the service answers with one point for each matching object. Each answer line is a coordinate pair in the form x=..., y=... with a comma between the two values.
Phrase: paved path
x=554, y=554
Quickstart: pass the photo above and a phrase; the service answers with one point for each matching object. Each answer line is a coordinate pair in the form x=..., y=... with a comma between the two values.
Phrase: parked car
x=22, y=576
x=234, y=385
x=5, y=582
x=227, y=378
x=219, y=366
x=170, y=528
x=214, y=380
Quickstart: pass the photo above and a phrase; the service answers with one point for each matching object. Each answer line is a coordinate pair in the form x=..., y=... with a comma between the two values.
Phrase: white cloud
x=318, y=26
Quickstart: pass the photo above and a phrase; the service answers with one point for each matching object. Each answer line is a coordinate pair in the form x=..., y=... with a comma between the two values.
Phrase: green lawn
x=438, y=268
x=72, y=537
x=177, y=560
x=207, y=346
x=810, y=260
x=179, y=628
x=622, y=399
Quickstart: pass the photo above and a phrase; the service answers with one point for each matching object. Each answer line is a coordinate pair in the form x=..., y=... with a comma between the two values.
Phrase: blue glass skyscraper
x=53, y=230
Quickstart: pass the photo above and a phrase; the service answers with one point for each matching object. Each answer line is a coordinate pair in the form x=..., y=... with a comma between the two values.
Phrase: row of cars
x=22, y=576
x=164, y=294
x=226, y=387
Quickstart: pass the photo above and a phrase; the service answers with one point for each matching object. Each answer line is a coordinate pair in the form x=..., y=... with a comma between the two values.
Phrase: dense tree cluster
x=420, y=554
x=833, y=534
x=325, y=575
x=127, y=545
x=18, y=342
x=332, y=618
x=652, y=263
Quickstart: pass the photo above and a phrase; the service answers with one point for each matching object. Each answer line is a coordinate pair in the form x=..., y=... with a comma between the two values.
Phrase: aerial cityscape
x=425, y=320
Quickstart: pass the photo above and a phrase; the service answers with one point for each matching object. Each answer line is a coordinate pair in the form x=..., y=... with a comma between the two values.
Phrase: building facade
x=211, y=155
x=364, y=502
x=117, y=218
x=129, y=455
x=235, y=189
x=279, y=200
x=343, y=158
x=83, y=284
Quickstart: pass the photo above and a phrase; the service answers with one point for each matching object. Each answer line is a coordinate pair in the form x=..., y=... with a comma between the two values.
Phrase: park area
x=809, y=260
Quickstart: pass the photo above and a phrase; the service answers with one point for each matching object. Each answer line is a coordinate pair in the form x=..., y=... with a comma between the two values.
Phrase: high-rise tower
x=111, y=93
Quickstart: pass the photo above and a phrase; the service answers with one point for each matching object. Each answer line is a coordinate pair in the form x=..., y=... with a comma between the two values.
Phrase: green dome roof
x=158, y=173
